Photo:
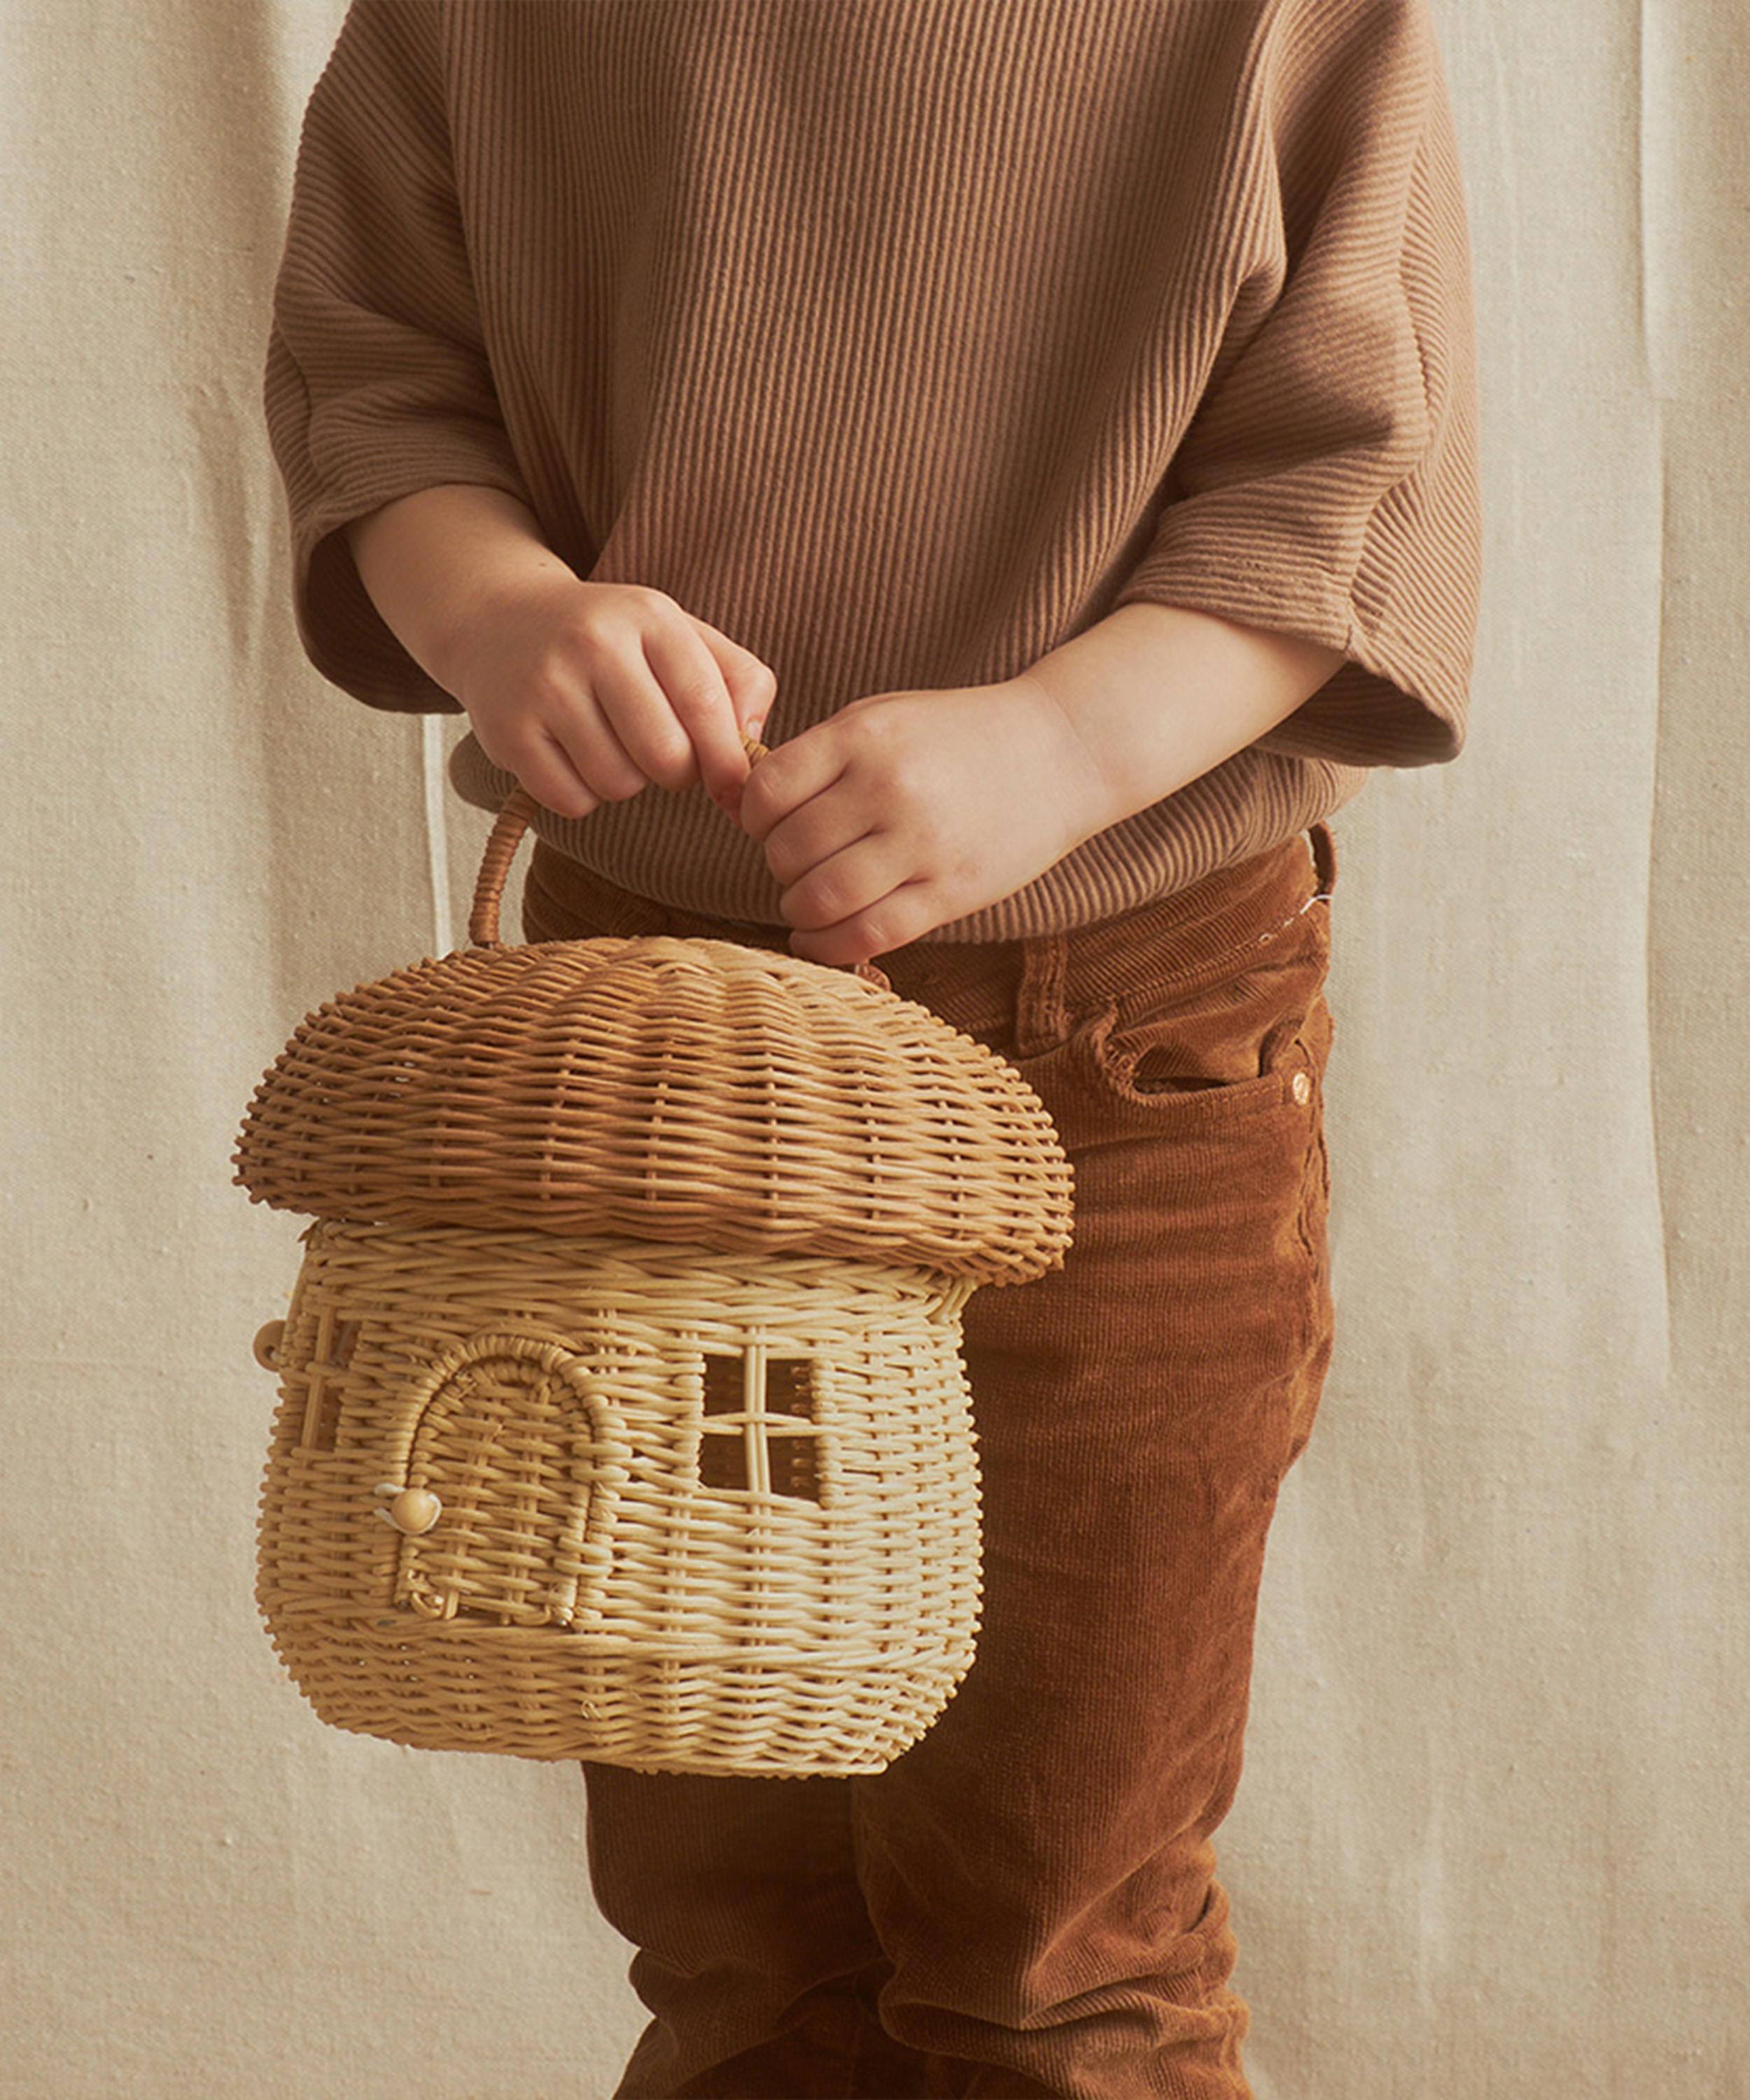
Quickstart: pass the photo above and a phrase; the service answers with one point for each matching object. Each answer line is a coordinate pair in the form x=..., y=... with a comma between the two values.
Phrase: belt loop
x=1323, y=856
x=1040, y=1021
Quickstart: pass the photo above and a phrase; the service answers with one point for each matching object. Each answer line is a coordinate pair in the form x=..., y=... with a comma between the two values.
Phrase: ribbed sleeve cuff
x=345, y=637
x=1402, y=698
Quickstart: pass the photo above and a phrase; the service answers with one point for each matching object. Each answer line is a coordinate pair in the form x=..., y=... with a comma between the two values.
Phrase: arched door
x=508, y=1441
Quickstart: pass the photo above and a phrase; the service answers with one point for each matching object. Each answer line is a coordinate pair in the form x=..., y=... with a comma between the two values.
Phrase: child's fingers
x=636, y=705
x=716, y=688
x=551, y=777
x=753, y=683
x=574, y=756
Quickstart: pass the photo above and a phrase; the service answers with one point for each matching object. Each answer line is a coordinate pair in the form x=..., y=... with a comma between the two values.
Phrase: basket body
x=697, y=1511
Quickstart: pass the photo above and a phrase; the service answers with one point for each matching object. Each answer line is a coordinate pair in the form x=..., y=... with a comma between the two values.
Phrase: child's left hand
x=907, y=810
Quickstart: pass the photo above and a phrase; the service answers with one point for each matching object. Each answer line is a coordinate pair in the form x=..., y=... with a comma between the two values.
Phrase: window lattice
x=761, y=1428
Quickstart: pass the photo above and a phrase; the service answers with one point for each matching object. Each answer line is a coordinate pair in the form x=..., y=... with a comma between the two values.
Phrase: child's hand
x=589, y=692
x=905, y=810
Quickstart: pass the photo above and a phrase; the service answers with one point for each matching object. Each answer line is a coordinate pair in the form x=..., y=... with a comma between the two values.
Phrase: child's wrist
x=502, y=598
x=1081, y=787
x=441, y=563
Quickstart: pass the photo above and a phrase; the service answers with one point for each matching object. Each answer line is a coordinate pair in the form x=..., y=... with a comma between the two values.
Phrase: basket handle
x=515, y=818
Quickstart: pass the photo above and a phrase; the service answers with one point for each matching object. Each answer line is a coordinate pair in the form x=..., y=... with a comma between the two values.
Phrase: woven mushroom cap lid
x=695, y=1091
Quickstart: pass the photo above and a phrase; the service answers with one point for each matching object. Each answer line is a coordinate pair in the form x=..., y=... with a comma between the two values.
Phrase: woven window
x=327, y=1363
x=761, y=1430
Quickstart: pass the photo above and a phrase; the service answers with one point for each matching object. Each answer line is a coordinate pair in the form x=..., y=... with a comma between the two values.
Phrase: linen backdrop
x=1491, y=1840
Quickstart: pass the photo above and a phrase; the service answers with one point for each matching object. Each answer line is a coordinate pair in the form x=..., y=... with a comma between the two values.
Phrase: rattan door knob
x=414, y=1511
x=267, y=1342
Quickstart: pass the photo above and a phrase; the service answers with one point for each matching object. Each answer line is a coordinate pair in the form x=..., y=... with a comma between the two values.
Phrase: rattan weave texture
x=606, y=1578
x=690, y=1090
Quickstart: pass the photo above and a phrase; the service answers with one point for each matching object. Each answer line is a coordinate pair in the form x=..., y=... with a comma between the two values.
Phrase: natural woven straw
x=622, y=1412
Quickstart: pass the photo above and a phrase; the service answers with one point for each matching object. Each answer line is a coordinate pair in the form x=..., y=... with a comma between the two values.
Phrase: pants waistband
x=1206, y=919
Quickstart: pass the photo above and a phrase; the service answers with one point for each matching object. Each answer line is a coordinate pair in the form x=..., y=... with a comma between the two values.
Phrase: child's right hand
x=589, y=692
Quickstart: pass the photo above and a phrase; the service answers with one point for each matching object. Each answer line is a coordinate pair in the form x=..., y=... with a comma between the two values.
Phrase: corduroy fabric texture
x=903, y=340
x=1024, y=1901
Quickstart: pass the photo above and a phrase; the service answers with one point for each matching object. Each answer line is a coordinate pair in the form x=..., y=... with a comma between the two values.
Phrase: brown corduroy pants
x=1025, y=1902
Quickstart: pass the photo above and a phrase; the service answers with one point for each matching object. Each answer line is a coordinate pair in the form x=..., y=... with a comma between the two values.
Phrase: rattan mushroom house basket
x=622, y=1412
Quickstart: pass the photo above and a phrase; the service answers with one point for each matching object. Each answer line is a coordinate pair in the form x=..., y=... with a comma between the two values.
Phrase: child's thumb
x=753, y=702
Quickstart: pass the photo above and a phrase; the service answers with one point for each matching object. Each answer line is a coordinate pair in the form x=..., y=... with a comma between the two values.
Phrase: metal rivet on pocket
x=1303, y=1088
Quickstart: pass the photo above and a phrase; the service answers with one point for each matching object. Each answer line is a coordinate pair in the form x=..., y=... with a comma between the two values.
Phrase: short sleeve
x=378, y=381
x=1327, y=485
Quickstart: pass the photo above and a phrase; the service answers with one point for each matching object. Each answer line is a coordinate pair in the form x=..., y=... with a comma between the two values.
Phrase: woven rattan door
x=507, y=1441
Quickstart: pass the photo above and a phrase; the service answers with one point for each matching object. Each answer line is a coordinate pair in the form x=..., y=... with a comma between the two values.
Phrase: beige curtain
x=1490, y=1841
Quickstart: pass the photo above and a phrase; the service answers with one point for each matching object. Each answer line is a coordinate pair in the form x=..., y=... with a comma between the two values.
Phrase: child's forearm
x=430, y=560
x=1158, y=694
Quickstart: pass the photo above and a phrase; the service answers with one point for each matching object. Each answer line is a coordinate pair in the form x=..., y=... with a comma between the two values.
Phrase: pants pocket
x=1229, y=1035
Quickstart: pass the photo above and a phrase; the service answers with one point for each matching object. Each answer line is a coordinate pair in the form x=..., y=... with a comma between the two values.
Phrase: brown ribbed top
x=902, y=340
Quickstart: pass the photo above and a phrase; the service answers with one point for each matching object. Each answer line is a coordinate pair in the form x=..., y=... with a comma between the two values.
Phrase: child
x=1053, y=423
